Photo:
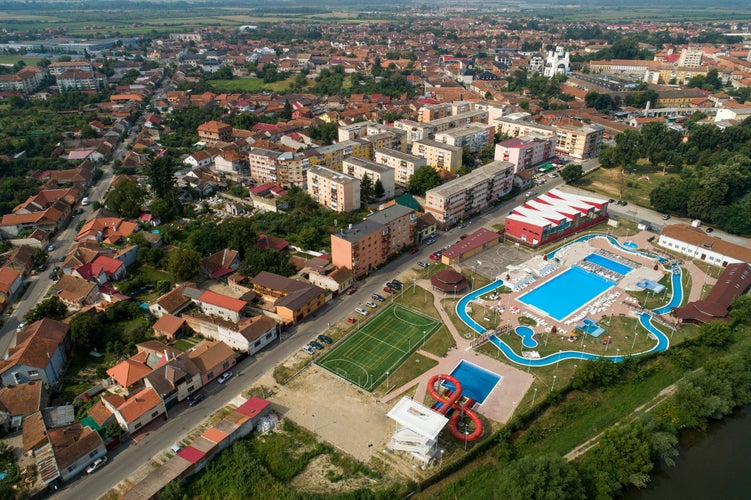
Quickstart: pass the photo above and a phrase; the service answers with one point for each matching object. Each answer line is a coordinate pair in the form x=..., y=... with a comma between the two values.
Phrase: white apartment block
x=439, y=155
x=474, y=136
x=262, y=164
x=80, y=80
x=578, y=142
x=334, y=190
x=358, y=167
x=354, y=131
x=417, y=131
x=404, y=164
x=690, y=57
x=468, y=194
x=58, y=68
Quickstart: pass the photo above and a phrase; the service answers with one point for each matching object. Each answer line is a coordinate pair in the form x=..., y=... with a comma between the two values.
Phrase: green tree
x=126, y=198
x=608, y=157
x=161, y=177
x=366, y=189
x=378, y=190
x=740, y=310
x=545, y=477
x=51, y=307
x=715, y=334
x=161, y=209
x=257, y=260
x=424, y=179
x=286, y=113
x=85, y=330
x=183, y=263
x=627, y=145
x=572, y=172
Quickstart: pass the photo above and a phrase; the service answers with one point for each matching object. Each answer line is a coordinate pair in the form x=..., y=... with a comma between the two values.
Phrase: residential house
x=21, y=259
x=250, y=334
x=220, y=264
x=175, y=380
x=404, y=164
x=222, y=306
x=212, y=359
x=171, y=302
x=41, y=353
x=213, y=132
x=18, y=401
x=136, y=411
x=101, y=270
x=75, y=292
x=336, y=279
x=292, y=300
x=61, y=451
x=438, y=155
x=10, y=282
x=129, y=373
x=106, y=230
x=359, y=168
x=168, y=326
x=202, y=158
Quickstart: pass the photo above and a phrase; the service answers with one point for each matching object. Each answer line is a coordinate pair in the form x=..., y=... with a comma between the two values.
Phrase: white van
x=85, y=201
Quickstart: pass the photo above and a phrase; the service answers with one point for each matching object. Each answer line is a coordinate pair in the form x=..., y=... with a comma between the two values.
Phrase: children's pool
x=607, y=263
x=477, y=382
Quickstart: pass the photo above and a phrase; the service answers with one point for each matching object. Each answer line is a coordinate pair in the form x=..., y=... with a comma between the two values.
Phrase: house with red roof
x=168, y=326
x=106, y=230
x=129, y=373
x=101, y=270
x=138, y=410
x=222, y=306
x=10, y=282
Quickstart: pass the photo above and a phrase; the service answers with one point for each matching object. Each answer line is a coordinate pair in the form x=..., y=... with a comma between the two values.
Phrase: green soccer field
x=380, y=346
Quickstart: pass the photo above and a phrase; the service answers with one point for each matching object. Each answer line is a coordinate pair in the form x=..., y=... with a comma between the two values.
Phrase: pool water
x=607, y=263
x=477, y=382
x=591, y=327
x=566, y=293
x=631, y=245
x=528, y=336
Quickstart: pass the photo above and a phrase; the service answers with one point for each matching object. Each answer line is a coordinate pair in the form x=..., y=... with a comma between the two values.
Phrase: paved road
x=63, y=241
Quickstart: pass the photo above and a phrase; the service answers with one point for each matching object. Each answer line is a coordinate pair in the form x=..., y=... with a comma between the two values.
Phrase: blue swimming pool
x=607, y=263
x=566, y=293
x=528, y=336
x=477, y=382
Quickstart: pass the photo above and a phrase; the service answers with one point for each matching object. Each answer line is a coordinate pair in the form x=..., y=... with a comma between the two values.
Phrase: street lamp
x=534, y=396
x=553, y=386
x=634, y=342
x=387, y=381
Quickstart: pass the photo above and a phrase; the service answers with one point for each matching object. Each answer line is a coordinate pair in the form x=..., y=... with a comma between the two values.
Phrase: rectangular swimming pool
x=477, y=382
x=566, y=293
x=607, y=263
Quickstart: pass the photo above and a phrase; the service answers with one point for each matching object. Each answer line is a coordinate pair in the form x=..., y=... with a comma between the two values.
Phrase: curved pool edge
x=644, y=318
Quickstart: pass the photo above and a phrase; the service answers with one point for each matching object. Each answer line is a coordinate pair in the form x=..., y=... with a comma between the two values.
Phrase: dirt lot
x=343, y=415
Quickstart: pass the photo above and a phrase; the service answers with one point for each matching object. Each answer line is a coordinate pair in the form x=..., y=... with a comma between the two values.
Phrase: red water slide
x=460, y=409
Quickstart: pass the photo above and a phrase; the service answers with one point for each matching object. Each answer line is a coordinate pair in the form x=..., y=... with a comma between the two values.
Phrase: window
x=93, y=453
x=154, y=415
x=256, y=343
x=33, y=373
x=225, y=365
x=139, y=424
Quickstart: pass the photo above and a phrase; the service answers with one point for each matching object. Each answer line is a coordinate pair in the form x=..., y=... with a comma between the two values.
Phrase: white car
x=308, y=349
x=225, y=376
x=360, y=310
x=96, y=465
x=371, y=304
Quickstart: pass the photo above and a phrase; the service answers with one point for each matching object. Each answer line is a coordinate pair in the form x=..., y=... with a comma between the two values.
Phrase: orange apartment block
x=366, y=245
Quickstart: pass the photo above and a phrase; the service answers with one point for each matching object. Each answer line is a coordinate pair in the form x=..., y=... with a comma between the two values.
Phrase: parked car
x=175, y=448
x=553, y=175
x=414, y=250
x=350, y=290
x=665, y=216
x=395, y=281
x=85, y=202
x=423, y=264
x=709, y=229
x=371, y=304
x=51, y=248
x=388, y=289
x=194, y=399
x=308, y=349
x=429, y=242
x=325, y=339
x=360, y=310
x=21, y=326
x=377, y=297
x=96, y=465
x=435, y=256
x=316, y=345
x=395, y=285
x=225, y=376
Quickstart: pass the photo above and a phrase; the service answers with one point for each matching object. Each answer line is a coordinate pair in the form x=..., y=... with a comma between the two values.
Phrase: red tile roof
x=191, y=454
x=223, y=301
x=476, y=239
x=252, y=407
x=140, y=403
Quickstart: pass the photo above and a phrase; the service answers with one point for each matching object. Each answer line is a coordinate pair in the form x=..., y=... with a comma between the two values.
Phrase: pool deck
x=501, y=402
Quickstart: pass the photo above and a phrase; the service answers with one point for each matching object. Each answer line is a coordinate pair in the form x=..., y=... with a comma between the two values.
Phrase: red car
x=388, y=289
x=414, y=250
x=435, y=256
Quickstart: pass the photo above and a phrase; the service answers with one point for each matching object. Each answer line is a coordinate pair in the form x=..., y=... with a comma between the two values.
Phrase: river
x=712, y=464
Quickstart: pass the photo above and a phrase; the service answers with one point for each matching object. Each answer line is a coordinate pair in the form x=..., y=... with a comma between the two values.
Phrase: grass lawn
x=414, y=366
x=150, y=274
x=636, y=188
x=379, y=346
x=185, y=343
x=13, y=59
x=80, y=373
x=249, y=85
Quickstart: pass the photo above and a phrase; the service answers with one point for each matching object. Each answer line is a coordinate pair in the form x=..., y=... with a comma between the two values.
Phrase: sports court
x=380, y=346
